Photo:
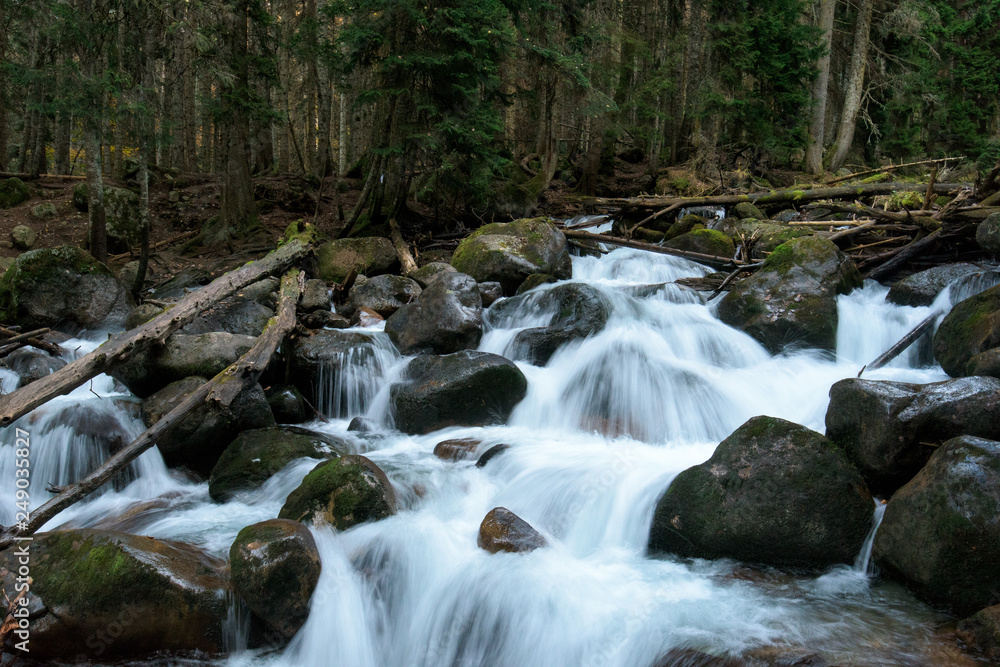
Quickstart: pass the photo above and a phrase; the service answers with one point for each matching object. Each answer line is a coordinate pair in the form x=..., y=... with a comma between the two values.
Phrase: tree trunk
x=238, y=209
x=95, y=195
x=817, y=128
x=855, y=85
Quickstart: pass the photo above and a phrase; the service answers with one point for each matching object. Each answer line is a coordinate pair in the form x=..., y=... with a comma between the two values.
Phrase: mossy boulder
x=61, y=287
x=502, y=530
x=510, y=252
x=792, y=299
x=890, y=429
x=972, y=327
x=745, y=210
x=141, y=314
x=384, y=294
x=447, y=317
x=370, y=256
x=13, y=191
x=258, y=454
x=104, y=595
x=705, y=241
x=689, y=223
x=468, y=388
x=941, y=532
x=179, y=357
x=322, y=360
x=535, y=280
x=774, y=493
x=428, y=273
x=985, y=363
x=201, y=437
x=923, y=287
x=573, y=311
x=988, y=233
x=275, y=568
x=23, y=237
x=342, y=492
x=44, y=211
x=764, y=237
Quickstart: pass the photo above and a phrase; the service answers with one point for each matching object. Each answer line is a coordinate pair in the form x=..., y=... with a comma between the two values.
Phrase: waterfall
x=864, y=564
x=347, y=385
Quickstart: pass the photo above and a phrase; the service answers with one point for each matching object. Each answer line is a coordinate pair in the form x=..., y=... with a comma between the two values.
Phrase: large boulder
x=275, y=568
x=922, y=288
x=447, y=317
x=124, y=221
x=705, y=241
x=502, y=530
x=61, y=287
x=321, y=360
x=510, y=252
x=773, y=492
x=890, y=429
x=467, y=388
x=342, y=492
x=972, y=327
x=575, y=310
x=202, y=435
x=988, y=233
x=179, y=357
x=384, y=294
x=258, y=454
x=792, y=299
x=428, y=273
x=764, y=236
x=13, y=191
x=235, y=315
x=102, y=595
x=941, y=532
x=370, y=256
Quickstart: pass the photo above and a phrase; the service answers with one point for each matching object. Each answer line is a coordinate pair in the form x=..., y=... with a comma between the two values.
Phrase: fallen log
x=904, y=343
x=711, y=260
x=403, y=253
x=223, y=388
x=892, y=167
x=900, y=256
x=124, y=345
x=847, y=233
x=8, y=335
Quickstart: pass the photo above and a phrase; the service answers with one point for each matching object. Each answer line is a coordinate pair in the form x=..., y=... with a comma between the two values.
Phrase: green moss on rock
x=343, y=492
x=13, y=191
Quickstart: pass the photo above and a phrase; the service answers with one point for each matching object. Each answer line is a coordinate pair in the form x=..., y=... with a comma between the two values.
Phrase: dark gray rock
x=773, y=492
x=327, y=354
x=922, y=288
x=315, y=297
x=447, y=317
x=287, y=404
x=971, y=328
x=235, y=315
x=384, y=294
x=490, y=292
x=988, y=233
x=181, y=283
x=941, y=532
x=31, y=364
x=428, y=273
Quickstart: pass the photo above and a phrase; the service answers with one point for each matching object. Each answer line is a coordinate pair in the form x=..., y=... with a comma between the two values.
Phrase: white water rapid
x=605, y=427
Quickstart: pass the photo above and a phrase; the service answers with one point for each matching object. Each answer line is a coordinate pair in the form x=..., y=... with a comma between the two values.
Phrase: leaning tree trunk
x=817, y=127
x=855, y=85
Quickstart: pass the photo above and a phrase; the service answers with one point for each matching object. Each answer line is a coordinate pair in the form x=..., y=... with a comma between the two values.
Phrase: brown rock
x=502, y=530
x=365, y=317
x=457, y=450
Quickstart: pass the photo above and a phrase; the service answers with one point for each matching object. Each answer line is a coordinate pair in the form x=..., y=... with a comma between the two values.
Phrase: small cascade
x=864, y=564
x=870, y=325
x=236, y=627
x=346, y=387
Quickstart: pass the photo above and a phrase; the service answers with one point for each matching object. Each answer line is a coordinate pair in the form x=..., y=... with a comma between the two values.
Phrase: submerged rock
x=31, y=364
x=342, y=492
x=61, y=287
x=941, y=532
x=258, y=454
x=510, y=252
x=447, y=317
x=923, y=287
x=773, y=492
x=106, y=595
x=370, y=256
x=890, y=429
x=792, y=299
x=384, y=294
x=972, y=327
x=457, y=450
x=463, y=389
x=502, y=530
x=490, y=454
x=275, y=568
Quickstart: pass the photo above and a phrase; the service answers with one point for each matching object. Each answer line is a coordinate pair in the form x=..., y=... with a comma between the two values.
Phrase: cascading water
x=606, y=426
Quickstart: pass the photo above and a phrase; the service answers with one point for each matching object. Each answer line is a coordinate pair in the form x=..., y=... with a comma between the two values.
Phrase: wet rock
x=428, y=273
x=972, y=327
x=200, y=438
x=234, y=315
x=370, y=256
x=705, y=241
x=342, y=492
x=275, y=568
x=109, y=595
x=510, y=252
x=535, y=280
x=688, y=657
x=141, y=314
x=890, y=429
x=490, y=454
x=792, y=299
x=258, y=454
x=315, y=296
x=325, y=355
x=23, y=237
x=385, y=294
x=578, y=310
x=502, y=530
x=287, y=404
x=365, y=317
x=447, y=317
x=181, y=283
x=13, y=191
x=491, y=292
x=774, y=493
x=61, y=287
x=44, y=211
x=941, y=532
x=764, y=237
x=922, y=288
x=985, y=363
x=988, y=233
x=31, y=364
x=179, y=357
x=457, y=450
x=686, y=225
x=982, y=631
x=326, y=319
x=467, y=388
x=745, y=210
x=361, y=425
